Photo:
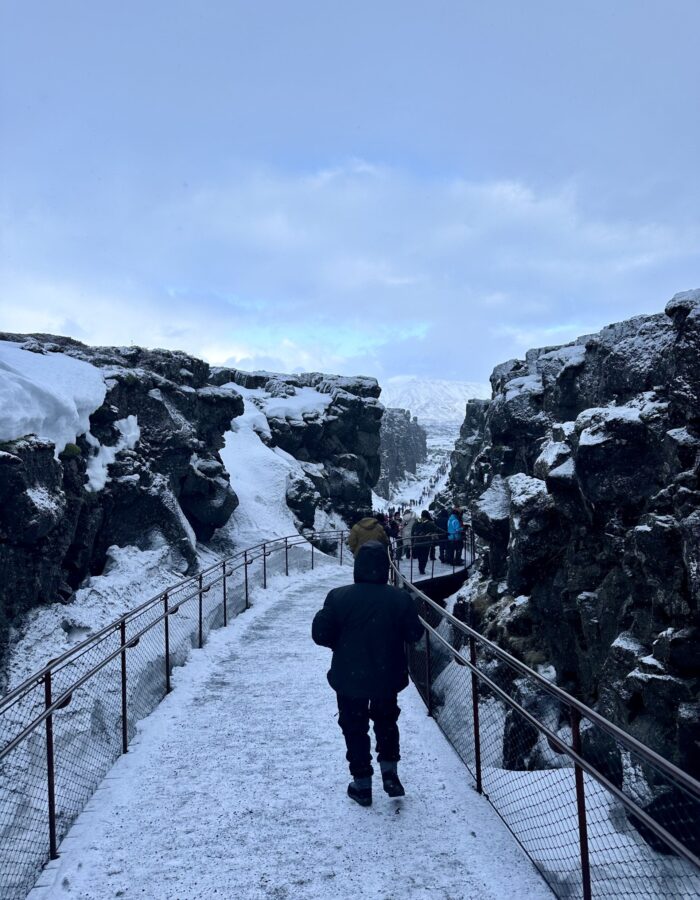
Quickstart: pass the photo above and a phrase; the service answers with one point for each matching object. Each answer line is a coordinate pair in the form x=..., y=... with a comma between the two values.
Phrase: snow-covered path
x=235, y=788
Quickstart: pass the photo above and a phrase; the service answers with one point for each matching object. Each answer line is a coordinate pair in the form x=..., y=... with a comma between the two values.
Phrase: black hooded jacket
x=366, y=625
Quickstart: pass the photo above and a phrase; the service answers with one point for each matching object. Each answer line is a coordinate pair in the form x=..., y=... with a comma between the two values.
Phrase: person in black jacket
x=424, y=537
x=441, y=525
x=366, y=625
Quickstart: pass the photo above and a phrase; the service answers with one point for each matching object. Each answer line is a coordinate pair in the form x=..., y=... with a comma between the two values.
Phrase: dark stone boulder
x=536, y=535
x=618, y=463
x=206, y=497
x=303, y=499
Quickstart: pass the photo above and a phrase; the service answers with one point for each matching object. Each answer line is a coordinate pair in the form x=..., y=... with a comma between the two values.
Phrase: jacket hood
x=372, y=564
x=368, y=523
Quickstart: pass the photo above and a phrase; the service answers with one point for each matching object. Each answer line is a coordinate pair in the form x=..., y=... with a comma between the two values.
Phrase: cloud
x=354, y=267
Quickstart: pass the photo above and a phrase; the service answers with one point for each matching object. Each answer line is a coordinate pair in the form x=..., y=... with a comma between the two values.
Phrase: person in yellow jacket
x=367, y=529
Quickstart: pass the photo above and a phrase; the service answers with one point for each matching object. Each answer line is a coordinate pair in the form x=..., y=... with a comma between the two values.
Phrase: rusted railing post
x=475, y=715
x=125, y=724
x=166, y=626
x=225, y=592
x=428, y=674
x=428, y=670
x=199, y=601
x=50, y=773
x=342, y=537
x=245, y=578
x=265, y=566
x=286, y=556
x=581, y=806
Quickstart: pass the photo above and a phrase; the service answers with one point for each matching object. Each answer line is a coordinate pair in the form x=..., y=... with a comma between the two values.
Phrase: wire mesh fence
x=598, y=813
x=62, y=729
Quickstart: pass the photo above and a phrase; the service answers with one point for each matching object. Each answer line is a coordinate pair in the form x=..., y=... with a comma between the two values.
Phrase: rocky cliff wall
x=148, y=470
x=467, y=447
x=331, y=425
x=583, y=474
x=404, y=445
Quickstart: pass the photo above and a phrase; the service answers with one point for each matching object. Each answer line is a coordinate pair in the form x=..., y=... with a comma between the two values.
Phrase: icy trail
x=235, y=788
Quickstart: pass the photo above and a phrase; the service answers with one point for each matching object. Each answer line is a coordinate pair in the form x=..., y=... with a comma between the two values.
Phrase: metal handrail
x=195, y=586
x=577, y=710
x=564, y=748
x=106, y=631
x=36, y=678
x=218, y=572
x=624, y=737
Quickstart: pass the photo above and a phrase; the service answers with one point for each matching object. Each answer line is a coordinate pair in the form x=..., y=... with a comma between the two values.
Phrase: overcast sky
x=369, y=187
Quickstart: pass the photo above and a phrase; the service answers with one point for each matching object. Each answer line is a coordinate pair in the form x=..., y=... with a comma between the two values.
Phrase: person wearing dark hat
x=366, y=625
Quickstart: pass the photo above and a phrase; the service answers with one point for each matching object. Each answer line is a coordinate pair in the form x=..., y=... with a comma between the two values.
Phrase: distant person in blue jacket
x=455, y=537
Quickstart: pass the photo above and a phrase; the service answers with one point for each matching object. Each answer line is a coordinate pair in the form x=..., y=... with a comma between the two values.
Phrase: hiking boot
x=392, y=785
x=361, y=795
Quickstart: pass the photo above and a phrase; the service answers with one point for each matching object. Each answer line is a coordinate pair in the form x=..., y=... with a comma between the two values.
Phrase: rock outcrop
x=583, y=475
x=404, y=445
x=331, y=425
x=148, y=471
x=466, y=449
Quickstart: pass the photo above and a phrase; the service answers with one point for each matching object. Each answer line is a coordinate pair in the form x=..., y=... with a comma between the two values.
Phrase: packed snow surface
x=306, y=401
x=235, y=787
x=444, y=401
x=50, y=395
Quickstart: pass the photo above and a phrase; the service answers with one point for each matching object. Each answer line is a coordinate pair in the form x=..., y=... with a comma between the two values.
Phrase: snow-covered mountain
x=432, y=399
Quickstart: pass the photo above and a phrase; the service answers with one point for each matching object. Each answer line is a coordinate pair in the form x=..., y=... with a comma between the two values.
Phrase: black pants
x=354, y=716
x=422, y=552
x=454, y=553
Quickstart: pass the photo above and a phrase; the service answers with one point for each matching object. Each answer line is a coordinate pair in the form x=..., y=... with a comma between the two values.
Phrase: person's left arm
x=325, y=627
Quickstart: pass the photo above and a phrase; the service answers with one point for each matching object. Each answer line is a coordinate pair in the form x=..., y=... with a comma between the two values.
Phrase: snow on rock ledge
x=328, y=424
x=49, y=395
x=102, y=456
x=122, y=447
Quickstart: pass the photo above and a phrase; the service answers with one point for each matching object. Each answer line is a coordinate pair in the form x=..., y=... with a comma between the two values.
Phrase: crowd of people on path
x=418, y=537
x=430, y=488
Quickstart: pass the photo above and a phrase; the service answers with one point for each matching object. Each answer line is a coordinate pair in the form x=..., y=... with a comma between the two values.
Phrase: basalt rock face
x=58, y=517
x=584, y=482
x=404, y=445
x=149, y=471
x=467, y=448
x=336, y=442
